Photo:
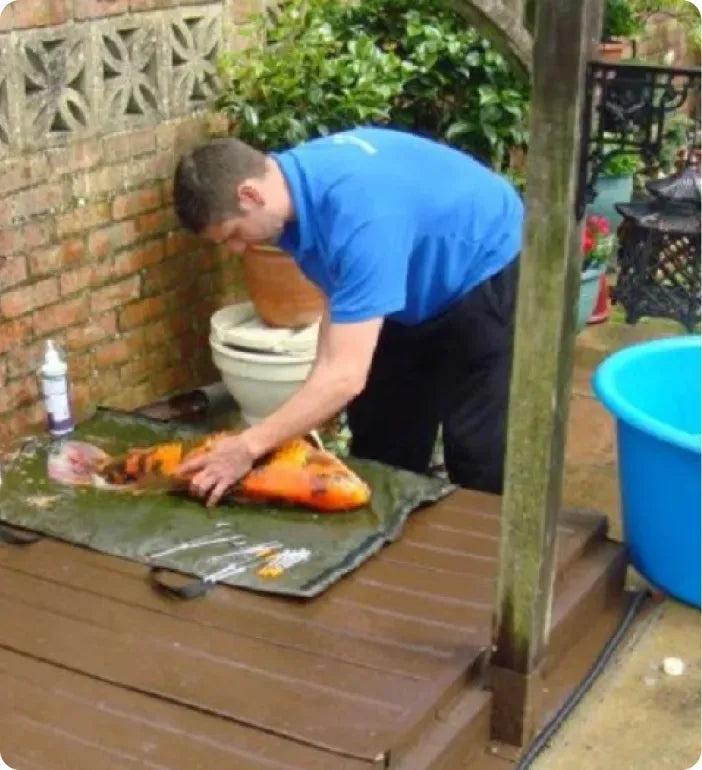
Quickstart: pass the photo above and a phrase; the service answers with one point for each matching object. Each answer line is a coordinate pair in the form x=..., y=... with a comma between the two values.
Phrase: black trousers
x=452, y=371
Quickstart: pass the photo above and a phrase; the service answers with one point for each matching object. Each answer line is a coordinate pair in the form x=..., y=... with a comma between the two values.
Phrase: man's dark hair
x=205, y=181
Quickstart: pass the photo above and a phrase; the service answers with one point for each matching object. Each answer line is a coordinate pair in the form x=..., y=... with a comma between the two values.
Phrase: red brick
x=20, y=301
x=166, y=329
x=73, y=281
x=12, y=424
x=111, y=353
x=35, y=414
x=94, y=9
x=173, y=379
x=25, y=359
x=83, y=218
x=182, y=242
x=60, y=315
x=82, y=399
x=113, y=238
x=157, y=222
x=217, y=123
x=73, y=251
x=47, y=260
x=18, y=393
x=53, y=258
x=13, y=270
x=189, y=132
x=167, y=191
x=9, y=240
x=30, y=236
x=77, y=156
x=107, y=386
x=204, y=309
x=139, y=257
x=22, y=172
x=162, y=277
x=98, y=181
x=145, y=393
x=115, y=294
x=107, y=272
x=37, y=200
x=97, y=329
x=80, y=366
x=14, y=334
x=141, y=312
x=128, y=145
x=118, y=351
x=22, y=14
x=151, y=5
x=122, y=398
x=136, y=202
x=152, y=167
x=135, y=370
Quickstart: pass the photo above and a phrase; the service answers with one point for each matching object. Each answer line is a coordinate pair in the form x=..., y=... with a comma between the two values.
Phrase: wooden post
x=542, y=365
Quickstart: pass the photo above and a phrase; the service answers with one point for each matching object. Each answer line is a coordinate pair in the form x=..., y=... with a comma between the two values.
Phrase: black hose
x=574, y=698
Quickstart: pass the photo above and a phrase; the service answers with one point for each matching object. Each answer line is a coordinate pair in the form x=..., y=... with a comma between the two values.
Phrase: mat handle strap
x=192, y=590
x=16, y=537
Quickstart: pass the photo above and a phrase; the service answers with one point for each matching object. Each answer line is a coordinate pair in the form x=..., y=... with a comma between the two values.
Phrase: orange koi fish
x=298, y=472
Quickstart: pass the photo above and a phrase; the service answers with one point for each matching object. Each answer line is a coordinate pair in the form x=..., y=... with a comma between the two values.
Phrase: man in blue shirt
x=415, y=246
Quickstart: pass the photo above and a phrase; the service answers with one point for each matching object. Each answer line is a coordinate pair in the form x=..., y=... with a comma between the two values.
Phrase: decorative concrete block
x=195, y=43
x=113, y=73
x=132, y=66
x=8, y=122
x=56, y=91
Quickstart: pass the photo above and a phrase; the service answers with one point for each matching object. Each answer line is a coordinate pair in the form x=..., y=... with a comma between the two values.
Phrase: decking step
x=454, y=737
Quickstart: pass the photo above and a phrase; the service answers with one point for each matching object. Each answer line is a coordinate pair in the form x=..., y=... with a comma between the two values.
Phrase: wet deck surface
x=99, y=671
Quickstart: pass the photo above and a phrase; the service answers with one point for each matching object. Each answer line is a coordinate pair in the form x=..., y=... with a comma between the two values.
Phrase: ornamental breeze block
x=91, y=78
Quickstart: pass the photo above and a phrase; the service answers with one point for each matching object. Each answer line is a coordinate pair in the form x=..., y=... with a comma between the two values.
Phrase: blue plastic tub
x=653, y=390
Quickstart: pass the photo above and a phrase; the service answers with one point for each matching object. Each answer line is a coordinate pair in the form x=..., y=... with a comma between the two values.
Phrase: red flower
x=598, y=224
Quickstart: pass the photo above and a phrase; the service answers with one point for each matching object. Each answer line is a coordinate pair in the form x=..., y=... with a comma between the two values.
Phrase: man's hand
x=219, y=469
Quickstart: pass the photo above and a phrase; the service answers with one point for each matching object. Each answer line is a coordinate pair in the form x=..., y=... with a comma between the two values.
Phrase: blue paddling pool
x=653, y=391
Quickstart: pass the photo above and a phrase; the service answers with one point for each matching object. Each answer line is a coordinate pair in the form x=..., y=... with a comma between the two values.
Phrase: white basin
x=259, y=382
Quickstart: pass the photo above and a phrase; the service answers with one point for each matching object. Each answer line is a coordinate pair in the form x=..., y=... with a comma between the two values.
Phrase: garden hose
x=576, y=696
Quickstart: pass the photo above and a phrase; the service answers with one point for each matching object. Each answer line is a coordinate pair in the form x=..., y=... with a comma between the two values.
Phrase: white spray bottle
x=54, y=385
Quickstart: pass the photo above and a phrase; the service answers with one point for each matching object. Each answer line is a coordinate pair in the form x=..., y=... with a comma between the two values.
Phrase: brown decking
x=385, y=669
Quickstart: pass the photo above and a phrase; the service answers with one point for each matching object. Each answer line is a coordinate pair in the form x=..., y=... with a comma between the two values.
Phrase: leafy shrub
x=318, y=66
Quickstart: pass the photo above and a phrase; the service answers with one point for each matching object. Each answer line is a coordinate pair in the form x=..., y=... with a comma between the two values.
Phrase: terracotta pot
x=600, y=312
x=279, y=290
x=612, y=51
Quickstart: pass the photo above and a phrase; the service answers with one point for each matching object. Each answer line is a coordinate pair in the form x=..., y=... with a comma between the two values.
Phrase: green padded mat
x=137, y=526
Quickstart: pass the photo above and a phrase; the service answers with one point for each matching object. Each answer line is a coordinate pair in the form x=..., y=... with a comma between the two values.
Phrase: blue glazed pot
x=611, y=190
x=589, y=288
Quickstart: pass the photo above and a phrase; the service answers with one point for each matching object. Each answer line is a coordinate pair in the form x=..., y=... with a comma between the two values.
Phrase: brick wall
x=664, y=34
x=90, y=252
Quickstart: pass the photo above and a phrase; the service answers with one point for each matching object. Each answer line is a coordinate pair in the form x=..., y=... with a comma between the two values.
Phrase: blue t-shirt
x=391, y=224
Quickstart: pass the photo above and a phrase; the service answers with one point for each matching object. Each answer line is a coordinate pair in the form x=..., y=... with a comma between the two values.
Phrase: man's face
x=242, y=230
x=257, y=224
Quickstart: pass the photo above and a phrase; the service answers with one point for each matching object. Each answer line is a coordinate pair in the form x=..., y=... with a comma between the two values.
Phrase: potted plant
x=597, y=246
x=615, y=184
x=620, y=23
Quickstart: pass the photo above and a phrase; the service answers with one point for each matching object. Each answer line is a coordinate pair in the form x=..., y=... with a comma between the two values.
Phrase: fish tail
x=75, y=463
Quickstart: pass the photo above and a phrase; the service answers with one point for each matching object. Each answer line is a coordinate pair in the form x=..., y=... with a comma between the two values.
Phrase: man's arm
x=339, y=374
x=344, y=355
